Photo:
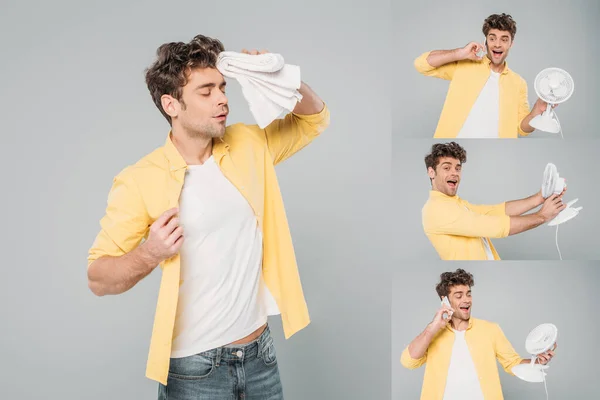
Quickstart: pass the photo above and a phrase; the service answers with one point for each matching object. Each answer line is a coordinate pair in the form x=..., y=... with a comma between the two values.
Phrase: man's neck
x=194, y=150
x=459, y=324
x=497, y=68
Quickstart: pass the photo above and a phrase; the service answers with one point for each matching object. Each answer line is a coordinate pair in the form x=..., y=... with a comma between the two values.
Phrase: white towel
x=268, y=84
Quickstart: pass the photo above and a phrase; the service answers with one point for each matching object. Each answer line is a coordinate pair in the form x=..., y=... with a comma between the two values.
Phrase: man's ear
x=431, y=172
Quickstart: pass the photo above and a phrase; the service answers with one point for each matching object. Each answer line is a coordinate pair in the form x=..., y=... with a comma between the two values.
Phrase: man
x=460, y=230
x=208, y=205
x=461, y=351
x=486, y=99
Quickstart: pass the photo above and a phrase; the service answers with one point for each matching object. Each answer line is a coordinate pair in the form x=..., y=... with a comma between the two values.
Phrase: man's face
x=461, y=301
x=203, y=109
x=446, y=176
x=498, y=45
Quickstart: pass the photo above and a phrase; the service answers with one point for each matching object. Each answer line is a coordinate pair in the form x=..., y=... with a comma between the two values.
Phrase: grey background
x=518, y=295
x=76, y=110
x=550, y=33
x=497, y=171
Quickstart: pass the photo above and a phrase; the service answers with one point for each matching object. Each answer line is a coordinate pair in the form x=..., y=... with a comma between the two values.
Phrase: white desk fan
x=554, y=86
x=541, y=339
x=552, y=183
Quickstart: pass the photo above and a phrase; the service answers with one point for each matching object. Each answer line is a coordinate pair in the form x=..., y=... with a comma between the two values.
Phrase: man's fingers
x=173, y=223
x=167, y=215
x=173, y=237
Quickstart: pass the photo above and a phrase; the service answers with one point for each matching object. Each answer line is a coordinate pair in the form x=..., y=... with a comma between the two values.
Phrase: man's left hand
x=540, y=106
x=545, y=358
x=254, y=52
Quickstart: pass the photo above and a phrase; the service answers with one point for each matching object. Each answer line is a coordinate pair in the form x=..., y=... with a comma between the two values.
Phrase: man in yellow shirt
x=486, y=99
x=206, y=206
x=460, y=230
x=461, y=351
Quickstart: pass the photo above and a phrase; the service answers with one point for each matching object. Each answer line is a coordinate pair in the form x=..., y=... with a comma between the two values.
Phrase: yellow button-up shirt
x=456, y=227
x=486, y=343
x=246, y=155
x=467, y=78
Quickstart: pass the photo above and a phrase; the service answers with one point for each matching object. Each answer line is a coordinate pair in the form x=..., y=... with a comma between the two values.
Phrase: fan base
x=530, y=373
x=545, y=123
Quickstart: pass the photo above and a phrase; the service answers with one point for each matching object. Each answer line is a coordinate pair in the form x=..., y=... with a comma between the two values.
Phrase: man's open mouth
x=497, y=53
x=452, y=183
x=465, y=308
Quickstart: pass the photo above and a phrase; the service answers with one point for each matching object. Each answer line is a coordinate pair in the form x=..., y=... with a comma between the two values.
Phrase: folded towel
x=268, y=84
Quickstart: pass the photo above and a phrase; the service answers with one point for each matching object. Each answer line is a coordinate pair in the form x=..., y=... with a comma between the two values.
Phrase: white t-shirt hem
x=220, y=342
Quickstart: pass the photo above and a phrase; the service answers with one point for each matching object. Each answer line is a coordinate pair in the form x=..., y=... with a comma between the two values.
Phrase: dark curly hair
x=456, y=278
x=502, y=22
x=175, y=60
x=440, y=150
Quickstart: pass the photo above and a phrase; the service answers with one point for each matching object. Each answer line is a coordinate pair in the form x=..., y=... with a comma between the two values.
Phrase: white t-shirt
x=462, y=382
x=484, y=117
x=222, y=296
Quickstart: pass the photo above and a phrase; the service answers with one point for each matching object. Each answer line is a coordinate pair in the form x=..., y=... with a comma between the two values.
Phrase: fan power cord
x=558, y=248
x=545, y=386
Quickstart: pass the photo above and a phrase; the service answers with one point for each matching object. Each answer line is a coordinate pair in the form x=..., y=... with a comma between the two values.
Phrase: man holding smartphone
x=486, y=99
x=461, y=351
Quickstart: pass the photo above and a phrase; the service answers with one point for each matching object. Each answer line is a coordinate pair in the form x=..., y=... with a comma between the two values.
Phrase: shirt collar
x=471, y=321
x=435, y=194
x=176, y=161
x=487, y=61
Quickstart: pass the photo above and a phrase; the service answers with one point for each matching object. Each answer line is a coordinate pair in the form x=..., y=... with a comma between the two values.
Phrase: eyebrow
x=449, y=163
x=211, y=85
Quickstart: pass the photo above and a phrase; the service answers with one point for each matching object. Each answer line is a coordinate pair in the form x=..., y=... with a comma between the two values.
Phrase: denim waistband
x=240, y=352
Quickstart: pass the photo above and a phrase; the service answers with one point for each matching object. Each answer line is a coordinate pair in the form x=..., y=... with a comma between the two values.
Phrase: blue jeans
x=248, y=371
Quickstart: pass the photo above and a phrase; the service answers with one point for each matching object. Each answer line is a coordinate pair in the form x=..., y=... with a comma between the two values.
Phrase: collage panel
x=445, y=87
x=495, y=200
x=519, y=331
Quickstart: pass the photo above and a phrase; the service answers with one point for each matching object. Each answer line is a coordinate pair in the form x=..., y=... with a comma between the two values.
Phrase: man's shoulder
x=516, y=77
x=154, y=161
x=484, y=324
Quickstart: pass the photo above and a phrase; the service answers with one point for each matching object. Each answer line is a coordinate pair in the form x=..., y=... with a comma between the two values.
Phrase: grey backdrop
x=550, y=33
x=76, y=110
x=518, y=295
x=497, y=171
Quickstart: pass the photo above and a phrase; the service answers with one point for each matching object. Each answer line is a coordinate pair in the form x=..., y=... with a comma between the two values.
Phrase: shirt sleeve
x=289, y=135
x=524, y=109
x=412, y=363
x=505, y=353
x=484, y=209
x=125, y=222
x=445, y=71
x=454, y=219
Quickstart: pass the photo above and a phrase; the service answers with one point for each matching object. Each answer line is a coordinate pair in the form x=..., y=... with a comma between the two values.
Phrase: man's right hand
x=165, y=238
x=551, y=207
x=439, y=322
x=469, y=52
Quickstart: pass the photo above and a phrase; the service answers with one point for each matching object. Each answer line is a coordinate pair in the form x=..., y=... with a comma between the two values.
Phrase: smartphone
x=447, y=303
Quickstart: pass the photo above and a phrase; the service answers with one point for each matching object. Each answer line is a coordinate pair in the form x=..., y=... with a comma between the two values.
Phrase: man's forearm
x=522, y=223
x=437, y=58
x=520, y=207
x=310, y=104
x=116, y=275
x=525, y=127
x=418, y=347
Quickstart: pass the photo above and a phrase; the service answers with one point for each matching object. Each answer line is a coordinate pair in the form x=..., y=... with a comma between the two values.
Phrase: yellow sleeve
x=444, y=72
x=484, y=209
x=412, y=363
x=125, y=222
x=524, y=109
x=289, y=135
x=505, y=353
x=454, y=219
